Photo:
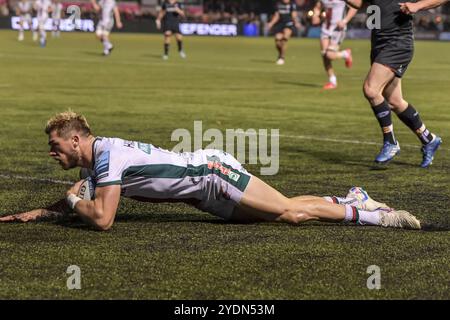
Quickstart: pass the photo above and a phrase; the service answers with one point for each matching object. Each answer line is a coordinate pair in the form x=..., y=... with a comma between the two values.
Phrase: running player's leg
x=21, y=28
x=167, y=35
x=376, y=81
x=279, y=46
x=324, y=47
x=179, y=38
x=34, y=27
x=334, y=52
x=42, y=32
x=287, y=32
x=410, y=117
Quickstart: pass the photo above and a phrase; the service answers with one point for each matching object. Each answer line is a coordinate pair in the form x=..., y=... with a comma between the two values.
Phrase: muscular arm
x=350, y=14
x=354, y=3
x=274, y=19
x=95, y=5
x=117, y=17
x=181, y=12
x=161, y=15
x=295, y=19
x=101, y=211
x=411, y=7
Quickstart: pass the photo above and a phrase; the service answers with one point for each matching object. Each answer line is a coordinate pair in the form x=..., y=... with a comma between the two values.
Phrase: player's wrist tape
x=72, y=200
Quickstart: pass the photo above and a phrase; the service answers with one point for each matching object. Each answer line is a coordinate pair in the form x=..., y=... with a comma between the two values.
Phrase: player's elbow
x=103, y=224
x=103, y=221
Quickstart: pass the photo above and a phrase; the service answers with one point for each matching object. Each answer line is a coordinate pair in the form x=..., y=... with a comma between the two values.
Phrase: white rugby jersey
x=42, y=8
x=107, y=9
x=149, y=173
x=24, y=7
x=335, y=11
x=56, y=10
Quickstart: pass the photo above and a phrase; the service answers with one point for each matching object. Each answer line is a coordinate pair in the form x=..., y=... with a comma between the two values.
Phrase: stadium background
x=173, y=251
x=249, y=15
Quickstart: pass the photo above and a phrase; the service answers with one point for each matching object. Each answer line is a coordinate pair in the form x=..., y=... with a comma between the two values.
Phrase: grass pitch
x=168, y=251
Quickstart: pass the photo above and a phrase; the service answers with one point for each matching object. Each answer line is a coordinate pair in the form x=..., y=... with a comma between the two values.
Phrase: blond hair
x=66, y=122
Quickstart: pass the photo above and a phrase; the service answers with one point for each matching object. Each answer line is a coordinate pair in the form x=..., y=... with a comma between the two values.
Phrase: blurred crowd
x=239, y=11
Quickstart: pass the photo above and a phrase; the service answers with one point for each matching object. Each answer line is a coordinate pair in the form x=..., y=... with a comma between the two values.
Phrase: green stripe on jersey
x=169, y=171
x=109, y=183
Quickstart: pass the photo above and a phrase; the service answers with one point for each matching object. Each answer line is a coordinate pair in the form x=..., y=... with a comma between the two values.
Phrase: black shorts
x=171, y=25
x=394, y=53
x=280, y=26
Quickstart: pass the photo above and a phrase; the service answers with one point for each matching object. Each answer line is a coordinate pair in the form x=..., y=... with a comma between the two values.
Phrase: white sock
x=333, y=79
x=361, y=217
x=339, y=200
x=344, y=54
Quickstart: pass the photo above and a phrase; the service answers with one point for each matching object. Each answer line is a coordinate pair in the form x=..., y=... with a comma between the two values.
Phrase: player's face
x=286, y=1
x=64, y=150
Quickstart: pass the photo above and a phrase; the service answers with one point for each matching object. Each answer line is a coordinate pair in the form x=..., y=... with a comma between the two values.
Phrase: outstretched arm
x=54, y=211
x=413, y=7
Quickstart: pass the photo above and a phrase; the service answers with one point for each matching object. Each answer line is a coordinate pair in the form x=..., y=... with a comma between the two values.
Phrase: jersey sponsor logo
x=214, y=163
x=383, y=114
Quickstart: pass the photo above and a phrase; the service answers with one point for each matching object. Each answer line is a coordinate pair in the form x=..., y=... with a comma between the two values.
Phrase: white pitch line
x=18, y=177
x=338, y=140
x=65, y=182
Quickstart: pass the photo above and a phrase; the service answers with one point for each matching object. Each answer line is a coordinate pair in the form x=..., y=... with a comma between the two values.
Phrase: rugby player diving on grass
x=211, y=180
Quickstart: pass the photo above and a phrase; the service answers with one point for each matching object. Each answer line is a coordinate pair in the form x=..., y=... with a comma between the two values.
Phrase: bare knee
x=299, y=211
x=397, y=104
x=370, y=92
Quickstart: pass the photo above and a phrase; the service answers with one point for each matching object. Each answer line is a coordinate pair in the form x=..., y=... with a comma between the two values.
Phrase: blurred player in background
x=43, y=8
x=57, y=9
x=23, y=10
x=169, y=19
x=391, y=53
x=108, y=11
x=283, y=22
x=334, y=26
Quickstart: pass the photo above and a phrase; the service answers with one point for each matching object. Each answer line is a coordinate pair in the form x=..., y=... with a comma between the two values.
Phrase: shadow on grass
x=337, y=158
x=300, y=84
x=93, y=53
x=153, y=56
x=263, y=61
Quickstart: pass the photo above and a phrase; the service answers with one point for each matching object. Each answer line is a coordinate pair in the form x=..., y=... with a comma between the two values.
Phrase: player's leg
x=334, y=52
x=376, y=81
x=287, y=33
x=411, y=118
x=167, y=36
x=324, y=47
x=261, y=202
x=279, y=46
x=179, y=38
x=21, y=29
x=107, y=45
x=42, y=33
x=34, y=27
